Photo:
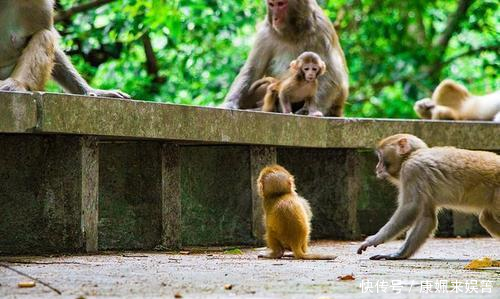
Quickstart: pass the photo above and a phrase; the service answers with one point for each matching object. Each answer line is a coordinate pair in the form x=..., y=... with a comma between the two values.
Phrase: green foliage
x=234, y=251
x=199, y=46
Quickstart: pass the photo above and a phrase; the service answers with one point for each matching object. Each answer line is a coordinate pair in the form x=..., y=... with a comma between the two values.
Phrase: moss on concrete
x=216, y=195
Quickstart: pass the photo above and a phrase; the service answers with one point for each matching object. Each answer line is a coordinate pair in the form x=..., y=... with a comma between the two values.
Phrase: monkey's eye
x=280, y=4
x=315, y=69
x=306, y=69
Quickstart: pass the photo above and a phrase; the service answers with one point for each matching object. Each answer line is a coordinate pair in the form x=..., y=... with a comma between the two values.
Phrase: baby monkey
x=300, y=84
x=287, y=215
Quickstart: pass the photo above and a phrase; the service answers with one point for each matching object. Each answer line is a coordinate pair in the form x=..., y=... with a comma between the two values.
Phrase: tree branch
x=445, y=37
x=452, y=24
x=31, y=277
x=495, y=48
x=67, y=14
x=151, y=61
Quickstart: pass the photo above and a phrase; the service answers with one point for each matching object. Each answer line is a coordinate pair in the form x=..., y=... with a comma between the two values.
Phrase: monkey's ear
x=322, y=70
x=294, y=65
x=404, y=146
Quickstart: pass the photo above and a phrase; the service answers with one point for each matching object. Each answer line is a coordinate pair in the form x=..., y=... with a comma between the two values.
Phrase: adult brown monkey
x=429, y=179
x=293, y=27
x=29, y=53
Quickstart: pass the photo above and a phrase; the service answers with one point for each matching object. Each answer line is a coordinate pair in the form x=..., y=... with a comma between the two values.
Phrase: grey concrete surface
x=204, y=274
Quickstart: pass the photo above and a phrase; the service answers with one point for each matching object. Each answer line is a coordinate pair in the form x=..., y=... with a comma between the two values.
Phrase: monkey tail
x=300, y=254
x=261, y=82
x=318, y=257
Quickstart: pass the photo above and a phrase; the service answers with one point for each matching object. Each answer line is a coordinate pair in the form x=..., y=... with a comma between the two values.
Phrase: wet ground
x=437, y=271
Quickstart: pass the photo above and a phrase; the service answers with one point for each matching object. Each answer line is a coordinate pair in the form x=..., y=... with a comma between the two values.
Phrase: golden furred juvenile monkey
x=429, y=179
x=300, y=85
x=452, y=101
x=287, y=215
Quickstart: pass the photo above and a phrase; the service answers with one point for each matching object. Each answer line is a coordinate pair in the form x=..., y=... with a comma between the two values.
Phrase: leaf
x=26, y=284
x=233, y=251
x=484, y=262
x=346, y=277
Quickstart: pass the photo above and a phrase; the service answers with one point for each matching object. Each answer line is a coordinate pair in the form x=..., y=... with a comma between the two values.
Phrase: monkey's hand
x=229, y=105
x=107, y=93
x=393, y=256
x=12, y=85
x=424, y=108
x=370, y=241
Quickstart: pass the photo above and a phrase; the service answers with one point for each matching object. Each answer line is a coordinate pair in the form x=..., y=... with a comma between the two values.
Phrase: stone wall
x=84, y=174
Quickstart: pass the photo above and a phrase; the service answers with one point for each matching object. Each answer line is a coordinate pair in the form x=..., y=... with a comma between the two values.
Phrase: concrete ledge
x=70, y=114
x=17, y=112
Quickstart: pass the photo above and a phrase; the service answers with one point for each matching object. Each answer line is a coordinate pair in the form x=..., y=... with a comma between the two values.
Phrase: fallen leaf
x=346, y=277
x=233, y=251
x=184, y=252
x=228, y=286
x=177, y=295
x=484, y=262
x=26, y=284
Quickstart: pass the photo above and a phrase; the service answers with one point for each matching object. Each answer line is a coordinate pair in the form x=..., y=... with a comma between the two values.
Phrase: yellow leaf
x=26, y=284
x=485, y=262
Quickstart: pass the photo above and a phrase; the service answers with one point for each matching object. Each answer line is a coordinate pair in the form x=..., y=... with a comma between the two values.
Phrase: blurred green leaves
x=199, y=47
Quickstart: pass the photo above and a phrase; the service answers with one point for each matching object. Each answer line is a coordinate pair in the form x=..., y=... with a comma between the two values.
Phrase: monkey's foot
x=388, y=257
x=12, y=85
x=316, y=113
x=108, y=94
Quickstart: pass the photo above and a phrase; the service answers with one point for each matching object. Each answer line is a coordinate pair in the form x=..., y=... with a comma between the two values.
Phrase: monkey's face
x=277, y=11
x=311, y=71
x=424, y=108
x=389, y=163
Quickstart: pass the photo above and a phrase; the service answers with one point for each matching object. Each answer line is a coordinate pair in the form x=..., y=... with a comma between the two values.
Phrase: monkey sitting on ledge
x=290, y=28
x=30, y=55
x=429, y=179
x=300, y=85
x=452, y=101
x=287, y=215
